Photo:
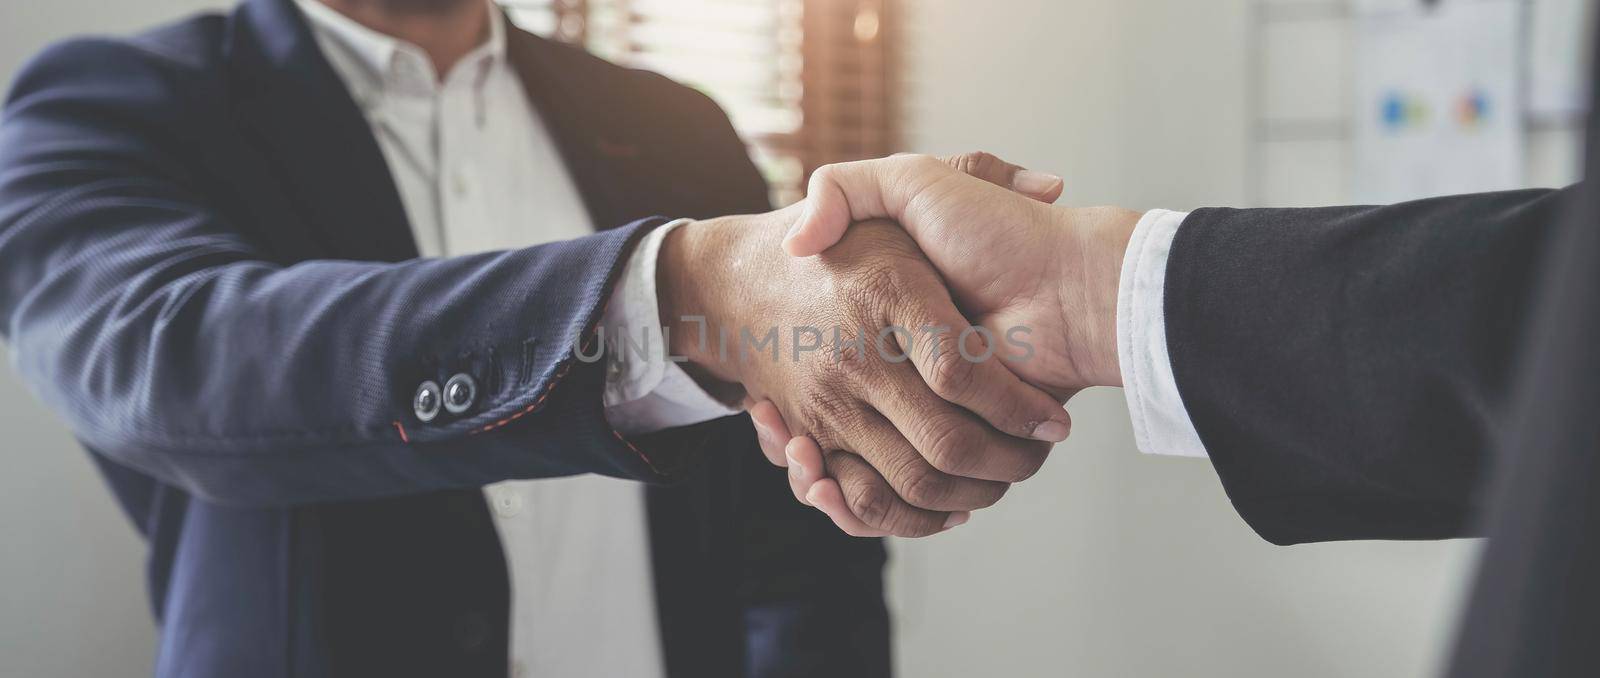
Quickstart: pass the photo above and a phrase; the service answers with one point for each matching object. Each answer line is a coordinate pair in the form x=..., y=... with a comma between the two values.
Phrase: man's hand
x=1009, y=262
x=920, y=438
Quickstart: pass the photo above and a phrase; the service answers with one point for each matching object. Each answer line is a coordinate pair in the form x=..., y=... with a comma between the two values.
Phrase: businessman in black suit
x=1351, y=372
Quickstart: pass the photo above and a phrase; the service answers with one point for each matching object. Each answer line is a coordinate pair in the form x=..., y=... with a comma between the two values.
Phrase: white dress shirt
x=1161, y=424
x=477, y=171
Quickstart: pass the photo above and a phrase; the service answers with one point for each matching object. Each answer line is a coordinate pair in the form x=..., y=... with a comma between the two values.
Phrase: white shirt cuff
x=645, y=390
x=1161, y=424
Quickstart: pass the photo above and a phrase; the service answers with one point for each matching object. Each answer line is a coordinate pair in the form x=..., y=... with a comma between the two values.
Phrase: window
x=806, y=82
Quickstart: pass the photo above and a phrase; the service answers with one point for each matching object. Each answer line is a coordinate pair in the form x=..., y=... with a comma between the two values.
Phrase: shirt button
x=459, y=183
x=425, y=404
x=507, y=503
x=460, y=393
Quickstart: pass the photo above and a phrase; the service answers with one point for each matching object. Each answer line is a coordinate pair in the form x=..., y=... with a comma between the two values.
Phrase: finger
x=840, y=194
x=771, y=431
x=800, y=455
x=951, y=439
x=835, y=194
x=805, y=466
x=1041, y=186
x=870, y=499
x=828, y=498
x=916, y=481
x=986, y=166
x=964, y=364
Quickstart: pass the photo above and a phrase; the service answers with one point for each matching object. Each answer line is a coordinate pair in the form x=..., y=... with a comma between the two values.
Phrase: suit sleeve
x=174, y=344
x=1348, y=368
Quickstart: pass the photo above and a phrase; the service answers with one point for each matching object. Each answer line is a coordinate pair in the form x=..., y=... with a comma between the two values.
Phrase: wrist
x=702, y=277
x=1097, y=242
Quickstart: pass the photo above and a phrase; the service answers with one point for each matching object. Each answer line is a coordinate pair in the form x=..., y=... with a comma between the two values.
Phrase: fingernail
x=795, y=469
x=957, y=518
x=1034, y=183
x=812, y=496
x=794, y=229
x=1051, y=431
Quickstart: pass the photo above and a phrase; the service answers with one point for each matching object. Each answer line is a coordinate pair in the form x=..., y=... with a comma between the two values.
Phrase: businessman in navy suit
x=325, y=287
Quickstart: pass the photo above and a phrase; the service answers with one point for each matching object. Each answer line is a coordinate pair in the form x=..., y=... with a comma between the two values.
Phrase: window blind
x=806, y=82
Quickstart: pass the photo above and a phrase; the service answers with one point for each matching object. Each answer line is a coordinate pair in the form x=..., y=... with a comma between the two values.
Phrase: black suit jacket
x=206, y=269
x=1423, y=370
x=1349, y=369
x=1535, y=605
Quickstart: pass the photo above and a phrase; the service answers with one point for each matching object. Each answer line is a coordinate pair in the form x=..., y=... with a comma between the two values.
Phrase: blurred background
x=1109, y=563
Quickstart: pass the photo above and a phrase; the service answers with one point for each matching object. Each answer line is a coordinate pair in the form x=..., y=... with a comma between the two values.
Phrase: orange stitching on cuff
x=559, y=375
x=590, y=337
x=540, y=401
x=536, y=403
x=402, y=429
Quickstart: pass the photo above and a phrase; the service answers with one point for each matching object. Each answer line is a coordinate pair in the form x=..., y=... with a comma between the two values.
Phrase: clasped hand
x=904, y=337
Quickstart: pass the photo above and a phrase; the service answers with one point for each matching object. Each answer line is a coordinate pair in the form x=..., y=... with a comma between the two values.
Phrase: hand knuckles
x=950, y=374
x=826, y=174
x=950, y=443
x=979, y=164
x=833, y=416
x=871, y=503
x=925, y=487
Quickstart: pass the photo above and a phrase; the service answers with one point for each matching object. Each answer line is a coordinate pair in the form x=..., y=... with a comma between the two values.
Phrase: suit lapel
x=598, y=160
x=300, y=116
x=699, y=620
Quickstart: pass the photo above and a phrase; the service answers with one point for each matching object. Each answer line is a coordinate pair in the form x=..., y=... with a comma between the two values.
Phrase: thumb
x=843, y=193
x=836, y=196
x=986, y=166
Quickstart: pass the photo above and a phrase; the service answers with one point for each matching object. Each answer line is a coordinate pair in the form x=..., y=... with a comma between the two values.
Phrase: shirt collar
x=393, y=61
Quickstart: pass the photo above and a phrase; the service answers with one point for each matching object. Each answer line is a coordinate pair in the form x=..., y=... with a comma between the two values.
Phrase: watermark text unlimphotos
x=893, y=343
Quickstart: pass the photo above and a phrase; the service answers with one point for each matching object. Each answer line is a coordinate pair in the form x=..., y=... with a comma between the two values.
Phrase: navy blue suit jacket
x=205, y=268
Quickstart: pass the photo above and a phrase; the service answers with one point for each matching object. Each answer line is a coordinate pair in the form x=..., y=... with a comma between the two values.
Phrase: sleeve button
x=425, y=404
x=460, y=393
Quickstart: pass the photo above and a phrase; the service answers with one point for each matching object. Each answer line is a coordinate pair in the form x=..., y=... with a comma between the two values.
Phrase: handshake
x=905, y=337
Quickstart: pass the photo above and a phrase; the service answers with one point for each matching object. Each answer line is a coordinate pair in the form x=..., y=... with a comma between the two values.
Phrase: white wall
x=1107, y=564
x=1110, y=563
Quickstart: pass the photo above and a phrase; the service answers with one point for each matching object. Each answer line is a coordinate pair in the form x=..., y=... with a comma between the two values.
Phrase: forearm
x=1343, y=368
x=1347, y=368
x=247, y=382
x=187, y=336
